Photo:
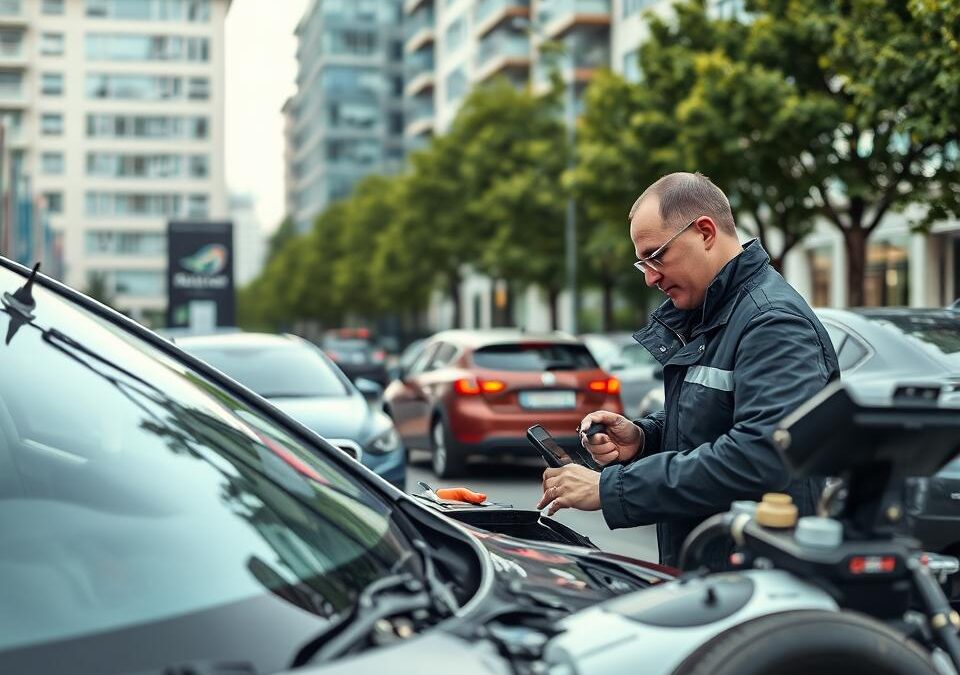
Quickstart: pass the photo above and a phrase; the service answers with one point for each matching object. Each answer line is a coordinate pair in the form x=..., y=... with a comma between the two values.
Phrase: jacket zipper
x=679, y=337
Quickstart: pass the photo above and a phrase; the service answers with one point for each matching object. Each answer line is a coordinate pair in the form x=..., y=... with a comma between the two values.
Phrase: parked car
x=477, y=392
x=356, y=354
x=622, y=356
x=157, y=517
x=881, y=350
x=299, y=379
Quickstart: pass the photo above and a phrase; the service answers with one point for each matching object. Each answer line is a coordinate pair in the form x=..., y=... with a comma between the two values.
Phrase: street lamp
x=570, y=121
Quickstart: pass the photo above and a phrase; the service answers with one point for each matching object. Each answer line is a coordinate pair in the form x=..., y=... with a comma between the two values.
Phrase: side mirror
x=658, y=372
x=370, y=389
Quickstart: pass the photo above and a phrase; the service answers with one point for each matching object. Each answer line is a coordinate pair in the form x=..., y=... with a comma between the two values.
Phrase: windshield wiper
x=394, y=595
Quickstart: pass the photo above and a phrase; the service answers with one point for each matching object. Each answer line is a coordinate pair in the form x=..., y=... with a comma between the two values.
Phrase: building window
x=11, y=43
x=197, y=206
x=139, y=47
x=133, y=204
x=456, y=84
x=51, y=44
x=12, y=121
x=132, y=165
x=107, y=125
x=631, y=7
x=199, y=166
x=51, y=124
x=820, y=260
x=52, y=7
x=150, y=10
x=109, y=242
x=455, y=35
x=51, y=163
x=11, y=83
x=886, y=280
x=198, y=88
x=140, y=283
x=134, y=87
x=54, y=201
x=51, y=84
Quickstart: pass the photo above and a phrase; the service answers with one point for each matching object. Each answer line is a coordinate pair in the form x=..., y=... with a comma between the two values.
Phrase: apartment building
x=347, y=115
x=116, y=109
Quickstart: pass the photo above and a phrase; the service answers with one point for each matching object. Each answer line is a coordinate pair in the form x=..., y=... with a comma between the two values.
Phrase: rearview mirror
x=370, y=389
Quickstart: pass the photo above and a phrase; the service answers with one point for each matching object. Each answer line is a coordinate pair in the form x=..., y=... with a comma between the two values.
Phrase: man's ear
x=708, y=230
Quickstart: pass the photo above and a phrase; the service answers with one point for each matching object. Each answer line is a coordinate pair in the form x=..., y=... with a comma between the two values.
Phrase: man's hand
x=621, y=443
x=571, y=486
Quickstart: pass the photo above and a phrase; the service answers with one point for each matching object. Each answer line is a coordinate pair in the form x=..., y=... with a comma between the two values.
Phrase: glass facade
x=886, y=278
x=348, y=110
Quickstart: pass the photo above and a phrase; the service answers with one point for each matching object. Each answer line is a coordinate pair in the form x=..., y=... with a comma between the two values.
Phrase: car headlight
x=387, y=441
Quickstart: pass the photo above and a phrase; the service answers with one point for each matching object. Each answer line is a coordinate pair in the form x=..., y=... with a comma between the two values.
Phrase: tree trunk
x=552, y=296
x=607, y=320
x=776, y=262
x=453, y=288
x=855, y=240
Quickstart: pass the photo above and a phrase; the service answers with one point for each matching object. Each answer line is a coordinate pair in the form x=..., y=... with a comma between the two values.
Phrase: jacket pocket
x=706, y=405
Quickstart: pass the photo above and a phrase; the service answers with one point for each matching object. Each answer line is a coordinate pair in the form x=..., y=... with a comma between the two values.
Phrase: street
x=519, y=485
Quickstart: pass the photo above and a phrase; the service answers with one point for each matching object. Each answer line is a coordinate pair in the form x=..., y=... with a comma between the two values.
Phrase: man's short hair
x=684, y=196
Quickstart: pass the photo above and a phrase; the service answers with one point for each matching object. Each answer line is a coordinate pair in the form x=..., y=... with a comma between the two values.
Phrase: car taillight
x=492, y=386
x=468, y=387
x=379, y=356
x=609, y=385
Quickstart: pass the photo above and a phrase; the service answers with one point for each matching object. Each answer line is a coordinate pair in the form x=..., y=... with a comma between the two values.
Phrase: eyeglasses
x=652, y=261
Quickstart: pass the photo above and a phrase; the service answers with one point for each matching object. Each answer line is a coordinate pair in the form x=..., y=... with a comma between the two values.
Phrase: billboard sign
x=200, y=286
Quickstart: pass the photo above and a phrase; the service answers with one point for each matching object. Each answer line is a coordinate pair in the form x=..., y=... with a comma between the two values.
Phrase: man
x=740, y=349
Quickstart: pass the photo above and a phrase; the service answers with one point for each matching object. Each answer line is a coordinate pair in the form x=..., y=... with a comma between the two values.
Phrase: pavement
x=519, y=485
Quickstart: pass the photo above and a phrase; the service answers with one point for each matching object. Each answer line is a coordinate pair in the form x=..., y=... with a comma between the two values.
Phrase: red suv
x=477, y=392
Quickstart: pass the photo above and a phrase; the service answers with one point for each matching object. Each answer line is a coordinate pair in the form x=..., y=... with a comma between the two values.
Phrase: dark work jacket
x=734, y=367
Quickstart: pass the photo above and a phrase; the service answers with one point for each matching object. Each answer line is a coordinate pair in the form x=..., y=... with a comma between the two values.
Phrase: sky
x=261, y=70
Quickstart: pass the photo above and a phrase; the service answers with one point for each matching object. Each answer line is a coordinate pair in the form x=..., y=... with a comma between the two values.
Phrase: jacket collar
x=718, y=303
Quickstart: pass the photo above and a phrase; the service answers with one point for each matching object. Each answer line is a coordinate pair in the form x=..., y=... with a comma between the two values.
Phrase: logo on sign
x=549, y=379
x=204, y=268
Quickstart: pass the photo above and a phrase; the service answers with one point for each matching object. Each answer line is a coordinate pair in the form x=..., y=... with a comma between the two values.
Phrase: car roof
x=476, y=339
x=237, y=340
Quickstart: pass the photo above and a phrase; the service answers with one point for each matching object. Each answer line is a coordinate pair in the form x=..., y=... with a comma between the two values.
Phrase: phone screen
x=554, y=455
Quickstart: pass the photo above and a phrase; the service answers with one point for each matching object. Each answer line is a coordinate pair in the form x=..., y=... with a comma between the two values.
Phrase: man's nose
x=651, y=276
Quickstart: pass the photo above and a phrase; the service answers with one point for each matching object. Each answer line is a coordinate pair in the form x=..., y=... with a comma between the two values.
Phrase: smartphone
x=553, y=454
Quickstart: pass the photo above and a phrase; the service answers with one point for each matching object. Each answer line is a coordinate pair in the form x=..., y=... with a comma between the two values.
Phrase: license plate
x=541, y=400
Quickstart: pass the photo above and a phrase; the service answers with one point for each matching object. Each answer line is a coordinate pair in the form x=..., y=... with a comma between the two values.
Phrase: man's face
x=681, y=271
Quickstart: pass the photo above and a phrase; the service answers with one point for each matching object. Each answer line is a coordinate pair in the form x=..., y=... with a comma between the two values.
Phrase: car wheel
x=445, y=457
x=804, y=642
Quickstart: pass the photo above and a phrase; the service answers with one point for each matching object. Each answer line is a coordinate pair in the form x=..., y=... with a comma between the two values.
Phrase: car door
x=409, y=402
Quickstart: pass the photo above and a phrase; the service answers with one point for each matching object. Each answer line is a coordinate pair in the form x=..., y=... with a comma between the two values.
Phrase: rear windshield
x=537, y=357
x=938, y=334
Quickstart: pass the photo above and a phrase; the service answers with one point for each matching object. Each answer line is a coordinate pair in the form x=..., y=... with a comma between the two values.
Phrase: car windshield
x=536, y=357
x=142, y=502
x=939, y=334
x=276, y=370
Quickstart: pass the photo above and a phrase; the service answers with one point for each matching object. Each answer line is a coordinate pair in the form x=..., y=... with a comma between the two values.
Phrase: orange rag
x=461, y=494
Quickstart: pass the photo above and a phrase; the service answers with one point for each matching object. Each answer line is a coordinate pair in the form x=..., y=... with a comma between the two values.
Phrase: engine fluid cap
x=743, y=506
x=819, y=532
x=776, y=510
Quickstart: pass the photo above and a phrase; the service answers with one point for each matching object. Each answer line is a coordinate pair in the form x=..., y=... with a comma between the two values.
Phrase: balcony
x=419, y=30
x=419, y=118
x=12, y=13
x=419, y=84
x=500, y=52
x=491, y=13
x=13, y=94
x=419, y=72
x=411, y=6
x=562, y=16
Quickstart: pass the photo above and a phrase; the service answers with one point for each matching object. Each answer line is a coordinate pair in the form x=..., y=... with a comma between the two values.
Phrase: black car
x=357, y=356
x=157, y=517
x=302, y=381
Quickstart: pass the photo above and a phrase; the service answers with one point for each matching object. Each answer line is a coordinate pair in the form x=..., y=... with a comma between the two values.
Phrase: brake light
x=466, y=387
x=609, y=385
x=379, y=355
x=492, y=386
